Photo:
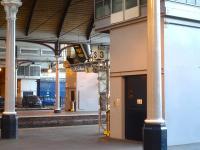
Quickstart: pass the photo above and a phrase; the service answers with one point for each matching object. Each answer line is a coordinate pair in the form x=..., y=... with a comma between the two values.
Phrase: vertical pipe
x=16, y=85
x=57, y=103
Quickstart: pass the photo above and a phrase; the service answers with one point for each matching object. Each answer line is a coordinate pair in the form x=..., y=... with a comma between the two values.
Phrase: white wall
x=28, y=85
x=117, y=104
x=182, y=84
x=87, y=87
x=128, y=48
x=128, y=52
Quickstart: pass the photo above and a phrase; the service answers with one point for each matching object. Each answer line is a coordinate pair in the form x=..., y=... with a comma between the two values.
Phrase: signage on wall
x=100, y=52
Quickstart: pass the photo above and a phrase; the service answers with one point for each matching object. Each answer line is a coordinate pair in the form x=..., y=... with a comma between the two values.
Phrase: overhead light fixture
x=50, y=68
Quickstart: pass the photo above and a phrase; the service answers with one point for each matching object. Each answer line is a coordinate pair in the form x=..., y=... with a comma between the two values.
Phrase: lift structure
x=97, y=62
x=104, y=96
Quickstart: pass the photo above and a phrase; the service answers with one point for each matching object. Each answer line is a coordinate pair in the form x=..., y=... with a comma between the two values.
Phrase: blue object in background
x=46, y=91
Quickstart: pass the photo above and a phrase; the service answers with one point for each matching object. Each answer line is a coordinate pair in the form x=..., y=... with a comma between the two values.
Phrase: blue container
x=46, y=91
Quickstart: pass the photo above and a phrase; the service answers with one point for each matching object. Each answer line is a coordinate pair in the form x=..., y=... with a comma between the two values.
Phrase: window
x=27, y=93
x=143, y=2
x=20, y=71
x=47, y=52
x=35, y=70
x=181, y=1
x=117, y=6
x=99, y=9
x=2, y=50
x=124, y=10
x=102, y=8
x=107, y=7
x=30, y=70
x=190, y=2
x=198, y=2
x=131, y=3
x=29, y=51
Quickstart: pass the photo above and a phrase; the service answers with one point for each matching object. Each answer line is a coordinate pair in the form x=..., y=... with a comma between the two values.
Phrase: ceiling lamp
x=50, y=68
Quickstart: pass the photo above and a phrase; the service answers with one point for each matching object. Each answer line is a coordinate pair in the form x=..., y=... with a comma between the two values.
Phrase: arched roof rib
x=30, y=16
x=52, y=20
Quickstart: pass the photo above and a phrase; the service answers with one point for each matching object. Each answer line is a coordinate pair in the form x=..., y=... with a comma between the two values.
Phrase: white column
x=154, y=81
x=11, y=9
x=57, y=104
x=16, y=85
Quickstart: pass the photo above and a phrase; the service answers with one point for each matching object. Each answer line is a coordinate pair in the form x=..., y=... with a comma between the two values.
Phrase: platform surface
x=73, y=138
x=50, y=113
x=47, y=118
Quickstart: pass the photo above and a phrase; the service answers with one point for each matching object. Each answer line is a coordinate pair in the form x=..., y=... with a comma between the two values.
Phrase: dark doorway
x=135, y=106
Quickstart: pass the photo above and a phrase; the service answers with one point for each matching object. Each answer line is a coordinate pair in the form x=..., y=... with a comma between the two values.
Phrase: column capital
x=11, y=8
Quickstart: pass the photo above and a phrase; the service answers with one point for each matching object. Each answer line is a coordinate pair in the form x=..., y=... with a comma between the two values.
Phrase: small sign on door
x=139, y=101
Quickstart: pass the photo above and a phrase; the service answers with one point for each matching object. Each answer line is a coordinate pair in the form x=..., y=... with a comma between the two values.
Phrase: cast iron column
x=57, y=104
x=155, y=131
x=9, y=123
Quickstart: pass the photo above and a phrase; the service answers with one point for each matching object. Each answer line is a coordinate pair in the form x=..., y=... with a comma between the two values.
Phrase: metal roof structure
x=53, y=20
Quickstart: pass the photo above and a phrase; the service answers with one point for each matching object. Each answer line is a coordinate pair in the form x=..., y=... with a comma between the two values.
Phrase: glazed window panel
x=2, y=50
x=181, y=1
x=192, y=2
x=131, y=3
x=102, y=8
x=99, y=11
x=117, y=6
x=107, y=7
x=198, y=2
x=143, y=2
x=189, y=2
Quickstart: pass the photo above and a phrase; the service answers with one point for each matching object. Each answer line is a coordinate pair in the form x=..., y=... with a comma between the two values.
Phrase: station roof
x=50, y=20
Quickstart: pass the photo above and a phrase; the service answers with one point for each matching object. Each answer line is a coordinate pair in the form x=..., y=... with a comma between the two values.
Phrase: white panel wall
x=182, y=10
x=87, y=87
x=117, y=119
x=182, y=84
x=28, y=85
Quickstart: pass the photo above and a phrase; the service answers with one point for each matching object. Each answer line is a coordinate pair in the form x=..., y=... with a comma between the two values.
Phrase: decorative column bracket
x=11, y=8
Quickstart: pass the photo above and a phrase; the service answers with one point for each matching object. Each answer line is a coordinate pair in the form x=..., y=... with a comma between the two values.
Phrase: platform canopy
x=52, y=20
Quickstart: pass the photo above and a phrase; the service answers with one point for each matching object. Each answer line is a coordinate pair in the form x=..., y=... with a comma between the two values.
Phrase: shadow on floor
x=72, y=138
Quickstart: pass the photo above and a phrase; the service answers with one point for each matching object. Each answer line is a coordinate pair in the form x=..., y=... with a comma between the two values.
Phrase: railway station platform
x=73, y=138
x=32, y=118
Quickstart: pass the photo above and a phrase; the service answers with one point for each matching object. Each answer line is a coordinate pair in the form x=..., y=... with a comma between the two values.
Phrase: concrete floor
x=72, y=138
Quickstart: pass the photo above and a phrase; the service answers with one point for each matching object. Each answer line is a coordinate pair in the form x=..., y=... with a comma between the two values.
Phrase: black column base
x=57, y=111
x=155, y=137
x=9, y=126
